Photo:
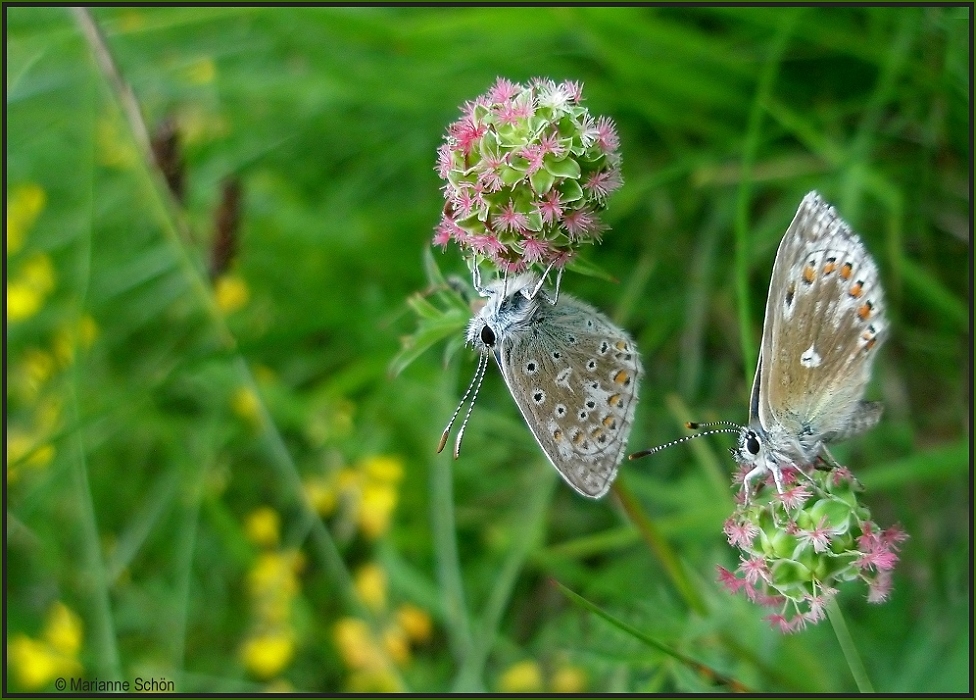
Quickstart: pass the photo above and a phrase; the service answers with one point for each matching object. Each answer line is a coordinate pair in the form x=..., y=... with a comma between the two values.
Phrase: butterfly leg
x=750, y=476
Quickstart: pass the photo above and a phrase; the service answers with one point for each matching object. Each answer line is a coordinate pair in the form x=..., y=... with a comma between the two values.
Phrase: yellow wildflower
x=81, y=333
x=266, y=654
x=131, y=21
x=263, y=526
x=348, y=480
x=38, y=367
x=376, y=508
x=320, y=494
x=373, y=682
x=231, y=293
x=568, y=680
x=36, y=663
x=24, y=452
x=63, y=629
x=356, y=646
x=22, y=302
x=246, y=405
x=370, y=583
x=275, y=573
x=396, y=644
x=522, y=677
x=32, y=284
x=384, y=469
x=201, y=71
x=24, y=205
x=331, y=420
x=414, y=621
x=38, y=272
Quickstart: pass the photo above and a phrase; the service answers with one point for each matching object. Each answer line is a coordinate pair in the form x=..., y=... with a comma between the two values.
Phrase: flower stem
x=847, y=646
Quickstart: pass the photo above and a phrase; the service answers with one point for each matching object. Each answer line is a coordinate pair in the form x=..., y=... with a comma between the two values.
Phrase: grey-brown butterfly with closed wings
x=572, y=372
x=825, y=320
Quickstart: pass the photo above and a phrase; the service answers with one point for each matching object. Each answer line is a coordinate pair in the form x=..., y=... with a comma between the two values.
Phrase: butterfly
x=572, y=372
x=825, y=321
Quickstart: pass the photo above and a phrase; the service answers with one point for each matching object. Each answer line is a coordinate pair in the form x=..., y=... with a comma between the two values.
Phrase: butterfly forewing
x=574, y=377
x=823, y=326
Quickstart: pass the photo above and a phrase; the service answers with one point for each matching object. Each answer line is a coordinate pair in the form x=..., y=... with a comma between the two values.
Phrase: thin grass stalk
x=848, y=647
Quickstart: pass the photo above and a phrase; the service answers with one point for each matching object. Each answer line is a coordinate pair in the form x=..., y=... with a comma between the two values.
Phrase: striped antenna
x=730, y=427
x=475, y=384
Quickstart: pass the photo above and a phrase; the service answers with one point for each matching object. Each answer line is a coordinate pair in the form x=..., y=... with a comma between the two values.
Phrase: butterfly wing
x=824, y=324
x=574, y=376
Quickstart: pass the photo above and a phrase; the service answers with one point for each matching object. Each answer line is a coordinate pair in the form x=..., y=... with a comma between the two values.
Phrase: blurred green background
x=218, y=483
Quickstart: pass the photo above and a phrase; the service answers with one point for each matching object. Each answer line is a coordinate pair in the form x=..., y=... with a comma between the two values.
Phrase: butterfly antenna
x=692, y=425
x=479, y=375
x=731, y=428
x=447, y=431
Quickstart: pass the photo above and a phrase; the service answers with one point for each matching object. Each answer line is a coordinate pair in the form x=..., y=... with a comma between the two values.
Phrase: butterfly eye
x=752, y=443
x=488, y=336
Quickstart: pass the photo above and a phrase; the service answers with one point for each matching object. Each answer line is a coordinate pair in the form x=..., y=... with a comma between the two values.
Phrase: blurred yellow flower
x=245, y=404
x=568, y=680
x=201, y=71
x=63, y=629
x=373, y=682
x=370, y=583
x=24, y=205
x=384, y=469
x=231, y=293
x=198, y=125
x=330, y=420
x=27, y=291
x=355, y=644
x=376, y=508
x=81, y=333
x=266, y=654
x=263, y=526
x=522, y=677
x=24, y=452
x=36, y=663
x=414, y=621
x=38, y=367
x=275, y=574
x=367, y=494
x=396, y=644
x=131, y=21
x=320, y=494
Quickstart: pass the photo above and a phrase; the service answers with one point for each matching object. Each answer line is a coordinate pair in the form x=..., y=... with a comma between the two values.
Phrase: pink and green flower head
x=527, y=170
x=796, y=547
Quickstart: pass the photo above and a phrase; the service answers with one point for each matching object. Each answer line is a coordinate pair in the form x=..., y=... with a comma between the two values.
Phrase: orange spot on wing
x=830, y=266
x=846, y=270
x=621, y=377
x=557, y=435
x=857, y=289
x=614, y=399
x=609, y=422
x=864, y=312
x=620, y=345
x=809, y=274
x=578, y=438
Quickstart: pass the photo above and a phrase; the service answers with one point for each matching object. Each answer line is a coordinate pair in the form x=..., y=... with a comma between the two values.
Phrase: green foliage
x=154, y=417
